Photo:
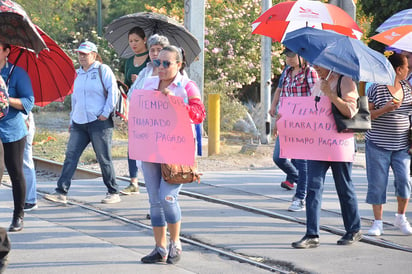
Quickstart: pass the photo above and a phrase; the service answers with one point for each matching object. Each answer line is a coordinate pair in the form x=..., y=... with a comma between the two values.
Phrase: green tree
x=60, y=19
x=379, y=11
x=118, y=8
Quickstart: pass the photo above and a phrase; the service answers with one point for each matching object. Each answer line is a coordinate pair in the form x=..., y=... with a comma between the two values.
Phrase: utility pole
x=350, y=8
x=99, y=18
x=347, y=5
x=195, y=23
x=265, y=81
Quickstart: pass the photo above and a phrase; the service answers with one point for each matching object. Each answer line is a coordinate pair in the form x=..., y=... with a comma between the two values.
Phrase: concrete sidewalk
x=69, y=239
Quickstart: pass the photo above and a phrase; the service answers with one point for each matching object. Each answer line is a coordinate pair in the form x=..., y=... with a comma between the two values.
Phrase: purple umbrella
x=401, y=18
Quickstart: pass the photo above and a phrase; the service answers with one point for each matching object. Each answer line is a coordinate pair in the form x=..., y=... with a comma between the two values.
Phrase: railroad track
x=54, y=167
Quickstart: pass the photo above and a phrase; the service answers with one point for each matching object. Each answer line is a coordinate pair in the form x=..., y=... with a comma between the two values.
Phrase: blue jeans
x=99, y=133
x=378, y=161
x=164, y=205
x=296, y=171
x=344, y=187
x=132, y=167
x=28, y=165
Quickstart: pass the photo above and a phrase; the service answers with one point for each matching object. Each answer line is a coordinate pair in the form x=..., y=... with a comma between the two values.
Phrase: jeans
x=99, y=133
x=296, y=171
x=132, y=167
x=344, y=187
x=28, y=164
x=163, y=197
x=13, y=159
x=378, y=161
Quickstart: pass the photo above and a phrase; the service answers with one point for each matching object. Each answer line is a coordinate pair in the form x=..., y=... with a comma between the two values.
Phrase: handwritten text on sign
x=160, y=130
x=307, y=133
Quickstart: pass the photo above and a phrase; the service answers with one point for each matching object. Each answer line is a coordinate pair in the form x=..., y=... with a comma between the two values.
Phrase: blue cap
x=87, y=47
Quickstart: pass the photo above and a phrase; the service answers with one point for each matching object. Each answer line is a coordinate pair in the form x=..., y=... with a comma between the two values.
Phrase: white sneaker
x=111, y=198
x=376, y=228
x=403, y=224
x=297, y=205
x=56, y=197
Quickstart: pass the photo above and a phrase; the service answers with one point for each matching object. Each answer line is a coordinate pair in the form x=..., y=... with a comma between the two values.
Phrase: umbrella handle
x=18, y=56
x=317, y=97
x=327, y=77
x=14, y=65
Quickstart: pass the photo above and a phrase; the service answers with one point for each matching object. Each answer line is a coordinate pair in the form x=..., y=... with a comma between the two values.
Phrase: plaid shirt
x=298, y=85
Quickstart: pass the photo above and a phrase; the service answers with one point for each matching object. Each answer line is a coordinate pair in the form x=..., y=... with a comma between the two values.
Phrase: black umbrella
x=17, y=29
x=152, y=23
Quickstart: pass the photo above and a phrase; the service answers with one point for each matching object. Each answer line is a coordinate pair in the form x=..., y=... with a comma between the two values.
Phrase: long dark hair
x=397, y=60
x=5, y=45
x=138, y=31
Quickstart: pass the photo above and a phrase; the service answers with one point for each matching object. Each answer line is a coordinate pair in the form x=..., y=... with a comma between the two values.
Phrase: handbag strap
x=338, y=90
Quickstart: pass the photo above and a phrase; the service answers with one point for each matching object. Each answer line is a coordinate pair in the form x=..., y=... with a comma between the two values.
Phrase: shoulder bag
x=180, y=174
x=361, y=122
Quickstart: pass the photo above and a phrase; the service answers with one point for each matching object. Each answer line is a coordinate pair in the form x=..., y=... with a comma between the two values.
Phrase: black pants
x=4, y=240
x=13, y=158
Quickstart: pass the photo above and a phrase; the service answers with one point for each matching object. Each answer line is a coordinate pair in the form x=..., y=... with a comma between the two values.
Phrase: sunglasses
x=164, y=63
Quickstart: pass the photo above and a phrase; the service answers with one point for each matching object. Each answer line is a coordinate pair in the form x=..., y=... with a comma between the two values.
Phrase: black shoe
x=154, y=257
x=29, y=207
x=16, y=224
x=306, y=242
x=349, y=238
x=3, y=264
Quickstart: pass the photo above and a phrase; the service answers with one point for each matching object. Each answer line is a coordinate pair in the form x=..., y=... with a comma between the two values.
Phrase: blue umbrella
x=401, y=18
x=341, y=54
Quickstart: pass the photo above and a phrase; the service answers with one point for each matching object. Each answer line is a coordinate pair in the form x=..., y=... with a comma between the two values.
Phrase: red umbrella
x=51, y=71
x=288, y=16
x=16, y=27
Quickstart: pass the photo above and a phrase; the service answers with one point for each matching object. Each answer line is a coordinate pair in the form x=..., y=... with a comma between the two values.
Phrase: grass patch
x=51, y=137
x=49, y=144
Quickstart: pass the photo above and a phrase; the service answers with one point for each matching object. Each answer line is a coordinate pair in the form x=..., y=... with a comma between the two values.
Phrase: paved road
x=69, y=239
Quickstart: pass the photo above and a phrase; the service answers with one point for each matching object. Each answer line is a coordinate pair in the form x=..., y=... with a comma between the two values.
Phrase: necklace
x=141, y=54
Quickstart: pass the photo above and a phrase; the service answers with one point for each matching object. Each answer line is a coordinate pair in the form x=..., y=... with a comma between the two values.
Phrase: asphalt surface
x=72, y=239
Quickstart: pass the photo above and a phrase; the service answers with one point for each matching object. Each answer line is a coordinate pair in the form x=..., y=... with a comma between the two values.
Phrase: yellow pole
x=361, y=88
x=214, y=124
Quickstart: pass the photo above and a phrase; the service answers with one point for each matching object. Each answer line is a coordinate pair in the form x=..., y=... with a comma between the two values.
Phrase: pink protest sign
x=160, y=129
x=307, y=133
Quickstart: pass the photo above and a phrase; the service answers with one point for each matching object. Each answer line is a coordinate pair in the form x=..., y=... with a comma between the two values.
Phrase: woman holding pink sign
x=342, y=171
x=298, y=80
x=165, y=211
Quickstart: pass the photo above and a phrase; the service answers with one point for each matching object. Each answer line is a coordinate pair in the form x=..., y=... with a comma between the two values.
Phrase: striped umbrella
x=399, y=37
x=288, y=16
x=401, y=18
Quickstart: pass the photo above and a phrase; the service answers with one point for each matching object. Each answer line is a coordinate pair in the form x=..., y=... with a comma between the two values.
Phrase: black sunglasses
x=165, y=64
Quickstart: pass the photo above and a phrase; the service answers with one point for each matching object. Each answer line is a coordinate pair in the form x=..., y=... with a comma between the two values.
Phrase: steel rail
x=82, y=173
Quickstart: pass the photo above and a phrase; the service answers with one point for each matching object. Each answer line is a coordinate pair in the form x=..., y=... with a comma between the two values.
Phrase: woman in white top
x=155, y=43
x=165, y=211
